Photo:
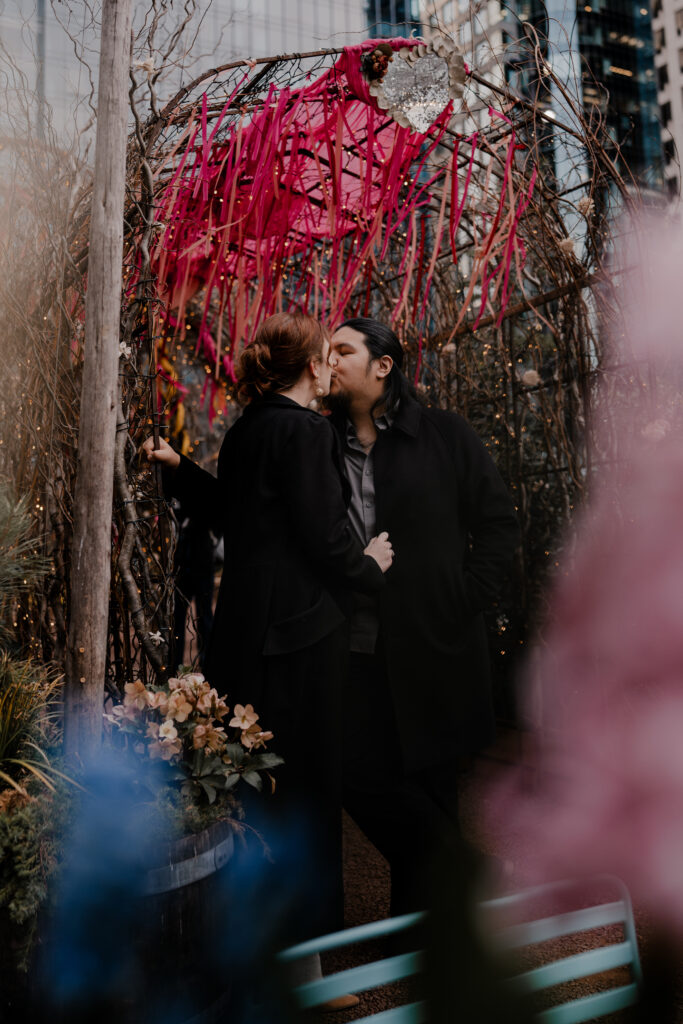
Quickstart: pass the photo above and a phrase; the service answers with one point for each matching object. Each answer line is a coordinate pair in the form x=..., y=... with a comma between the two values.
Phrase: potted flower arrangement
x=185, y=724
x=193, y=750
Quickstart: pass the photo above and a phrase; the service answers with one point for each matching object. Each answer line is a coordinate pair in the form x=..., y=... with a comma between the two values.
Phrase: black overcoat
x=454, y=530
x=279, y=637
x=279, y=501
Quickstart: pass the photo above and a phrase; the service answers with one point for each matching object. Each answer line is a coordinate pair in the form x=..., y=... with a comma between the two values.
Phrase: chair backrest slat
x=581, y=965
x=359, y=979
x=410, y=1013
x=588, y=1007
x=570, y=923
x=347, y=937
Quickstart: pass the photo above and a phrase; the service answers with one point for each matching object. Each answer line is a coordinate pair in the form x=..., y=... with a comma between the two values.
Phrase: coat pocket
x=303, y=629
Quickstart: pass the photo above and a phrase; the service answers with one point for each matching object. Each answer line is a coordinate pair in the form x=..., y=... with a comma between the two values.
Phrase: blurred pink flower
x=605, y=693
x=655, y=430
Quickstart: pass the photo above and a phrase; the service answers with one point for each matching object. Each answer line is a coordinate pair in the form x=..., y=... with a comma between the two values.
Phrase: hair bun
x=284, y=345
x=254, y=372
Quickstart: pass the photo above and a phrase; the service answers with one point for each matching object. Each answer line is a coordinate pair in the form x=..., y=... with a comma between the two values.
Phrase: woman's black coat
x=278, y=639
x=289, y=550
x=454, y=530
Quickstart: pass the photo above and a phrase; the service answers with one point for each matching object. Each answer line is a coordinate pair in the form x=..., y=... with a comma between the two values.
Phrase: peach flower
x=244, y=717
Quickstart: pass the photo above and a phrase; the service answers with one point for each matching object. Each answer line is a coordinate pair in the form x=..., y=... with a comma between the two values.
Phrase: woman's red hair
x=282, y=348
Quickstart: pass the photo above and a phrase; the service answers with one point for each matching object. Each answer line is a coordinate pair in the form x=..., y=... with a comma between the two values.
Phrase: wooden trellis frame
x=524, y=378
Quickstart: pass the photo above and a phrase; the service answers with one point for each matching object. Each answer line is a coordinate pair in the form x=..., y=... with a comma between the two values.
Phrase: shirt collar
x=382, y=422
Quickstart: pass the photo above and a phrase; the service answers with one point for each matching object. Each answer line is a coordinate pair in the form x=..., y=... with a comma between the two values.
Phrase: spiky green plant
x=21, y=566
x=28, y=711
x=29, y=692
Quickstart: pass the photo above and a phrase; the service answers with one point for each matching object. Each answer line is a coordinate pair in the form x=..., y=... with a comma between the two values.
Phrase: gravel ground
x=367, y=899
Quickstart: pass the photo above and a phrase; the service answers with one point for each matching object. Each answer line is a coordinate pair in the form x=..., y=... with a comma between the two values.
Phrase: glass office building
x=604, y=51
x=387, y=18
x=616, y=44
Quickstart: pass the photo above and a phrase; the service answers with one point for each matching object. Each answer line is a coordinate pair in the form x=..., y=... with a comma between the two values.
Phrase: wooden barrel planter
x=187, y=916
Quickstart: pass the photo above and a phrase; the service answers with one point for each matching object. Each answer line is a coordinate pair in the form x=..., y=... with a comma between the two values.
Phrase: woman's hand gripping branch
x=163, y=454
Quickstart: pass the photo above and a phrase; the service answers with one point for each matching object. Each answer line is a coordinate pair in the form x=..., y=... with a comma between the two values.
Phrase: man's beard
x=338, y=402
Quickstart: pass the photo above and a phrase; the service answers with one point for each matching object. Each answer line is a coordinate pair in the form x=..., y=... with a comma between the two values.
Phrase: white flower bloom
x=156, y=638
x=168, y=731
x=530, y=378
x=585, y=205
x=145, y=65
x=125, y=350
x=566, y=245
x=193, y=679
x=656, y=430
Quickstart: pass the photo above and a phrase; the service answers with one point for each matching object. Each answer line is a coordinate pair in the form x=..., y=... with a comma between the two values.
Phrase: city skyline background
x=620, y=59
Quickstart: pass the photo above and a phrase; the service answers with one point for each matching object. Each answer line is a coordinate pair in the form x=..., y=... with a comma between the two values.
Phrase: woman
x=278, y=640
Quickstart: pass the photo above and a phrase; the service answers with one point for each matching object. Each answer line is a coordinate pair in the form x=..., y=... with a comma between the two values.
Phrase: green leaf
x=20, y=789
x=209, y=790
x=30, y=766
x=231, y=780
x=214, y=780
x=211, y=764
x=253, y=779
x=236, y=753
x=265, y=760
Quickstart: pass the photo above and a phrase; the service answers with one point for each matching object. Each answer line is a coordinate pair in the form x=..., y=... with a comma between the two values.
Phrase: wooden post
x=91, y=552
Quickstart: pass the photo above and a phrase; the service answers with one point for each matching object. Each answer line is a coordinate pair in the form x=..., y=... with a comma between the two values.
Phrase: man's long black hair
x=380, y=340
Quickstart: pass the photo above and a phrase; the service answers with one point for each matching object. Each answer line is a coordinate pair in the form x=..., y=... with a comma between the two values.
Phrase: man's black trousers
x=411, y=819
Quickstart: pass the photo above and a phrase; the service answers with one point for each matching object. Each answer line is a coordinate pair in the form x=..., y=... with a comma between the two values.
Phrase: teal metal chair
x=593, y=961
x=366, y=976
x=529, y=933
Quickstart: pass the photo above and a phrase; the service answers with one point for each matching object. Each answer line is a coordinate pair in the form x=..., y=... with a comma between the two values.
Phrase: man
x=418, y=693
